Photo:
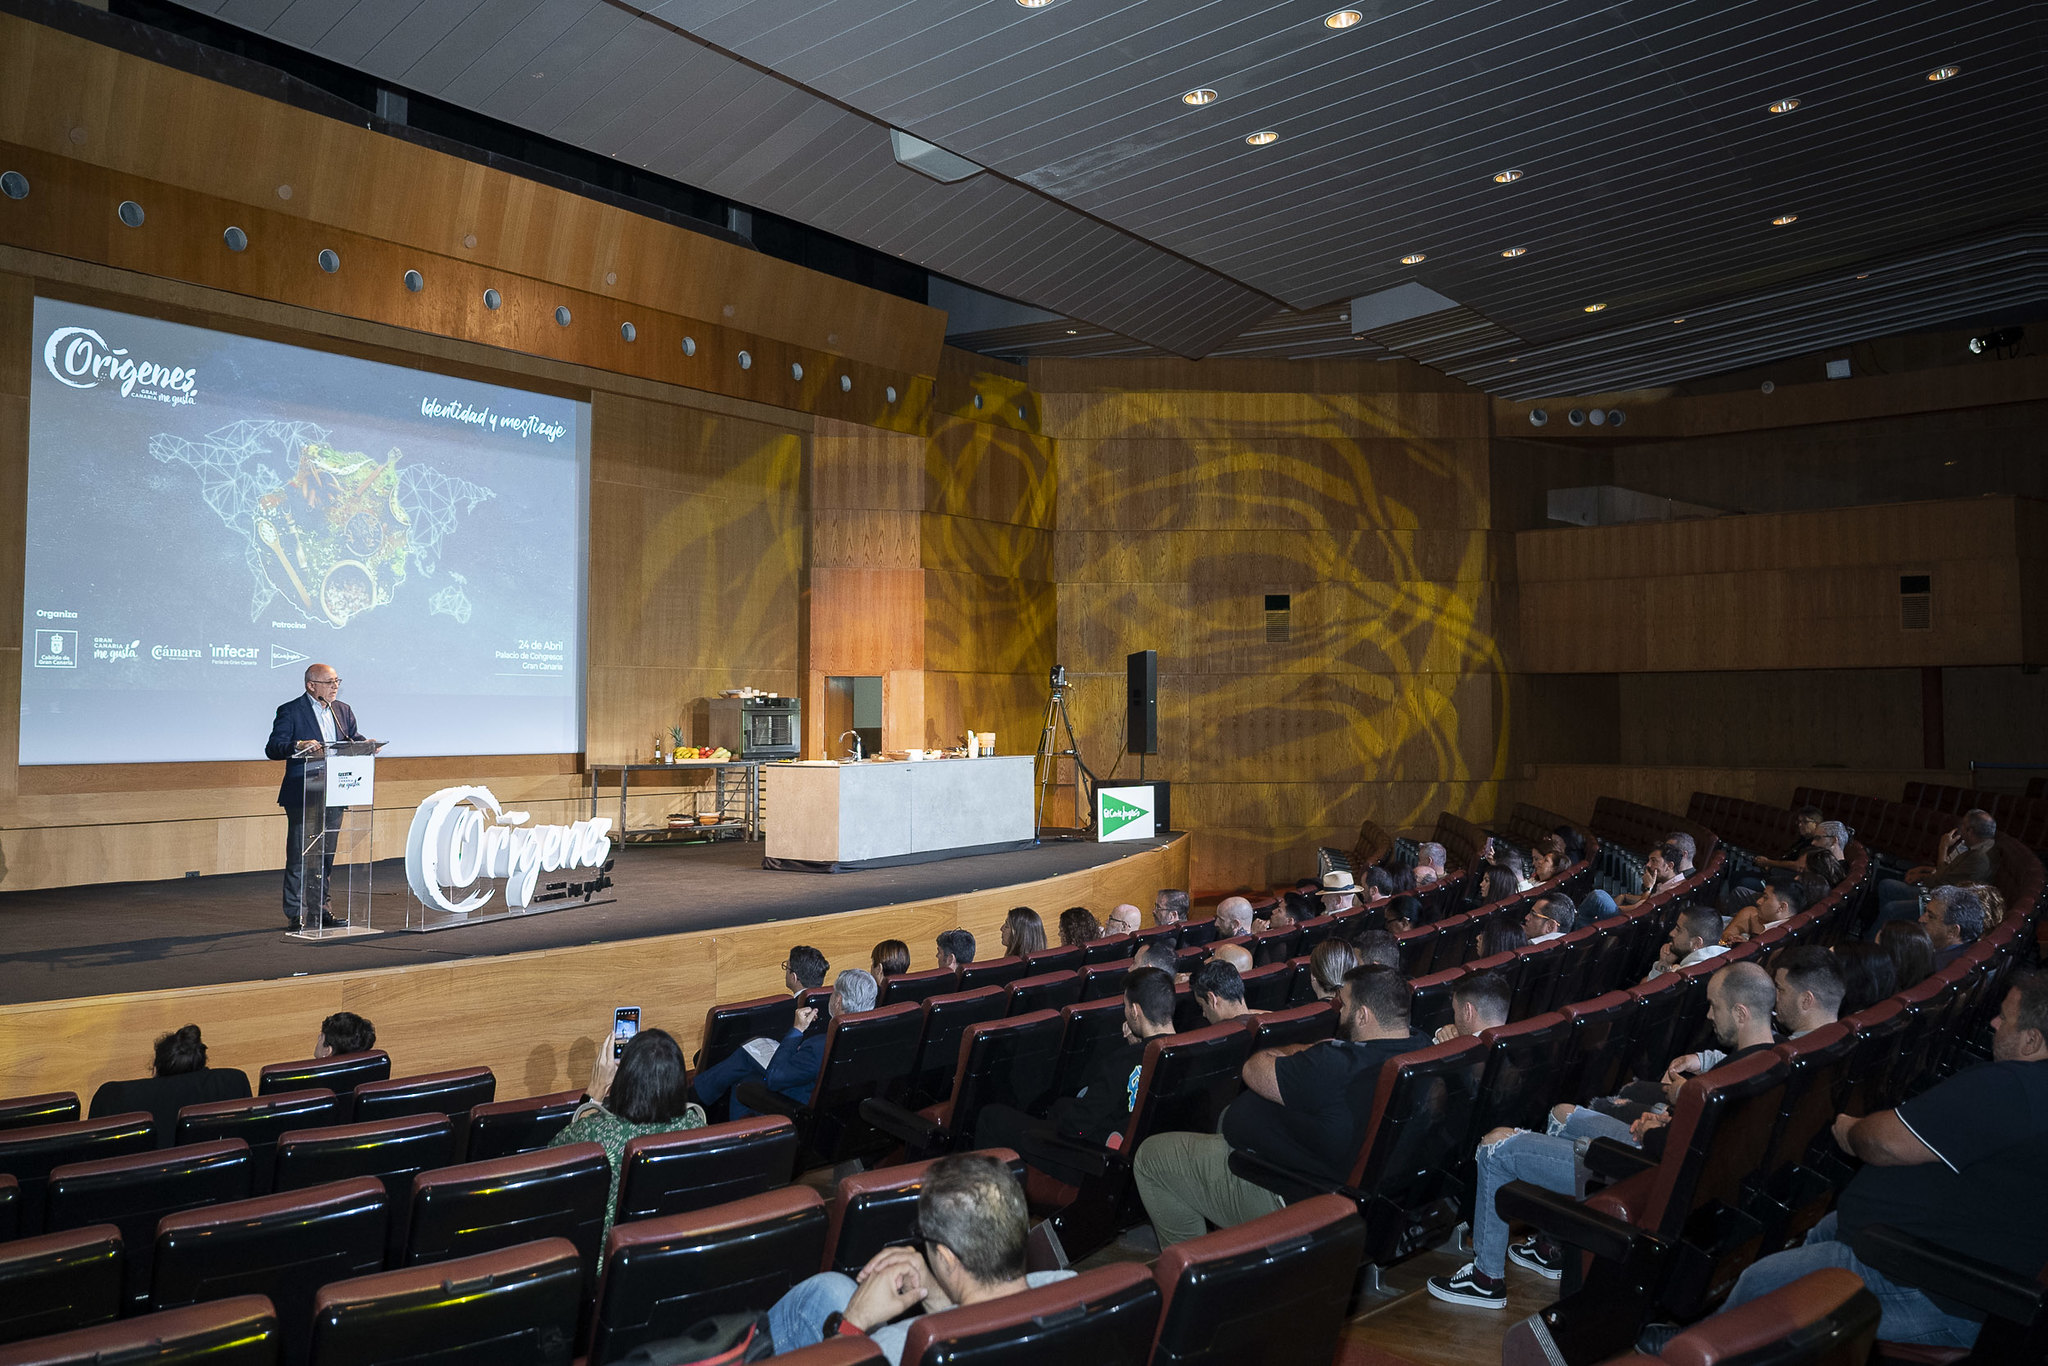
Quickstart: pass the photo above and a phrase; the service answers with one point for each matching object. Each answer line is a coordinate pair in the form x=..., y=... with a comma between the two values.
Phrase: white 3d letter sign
x=461, y=834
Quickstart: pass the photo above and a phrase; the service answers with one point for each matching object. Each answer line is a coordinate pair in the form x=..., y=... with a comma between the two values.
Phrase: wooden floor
x=1404, y=1320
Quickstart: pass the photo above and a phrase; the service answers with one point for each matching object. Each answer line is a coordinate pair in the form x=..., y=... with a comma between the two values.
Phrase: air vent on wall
x=1916, y=602
x=1277, y=608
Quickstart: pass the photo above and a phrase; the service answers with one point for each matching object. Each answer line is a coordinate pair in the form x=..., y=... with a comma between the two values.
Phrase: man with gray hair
x=1966, y=855
x=1429, y=864
x=792, y=1069
x=1954, y=919
x=1170, y=907
x=972, y=1227
x=1233, y=917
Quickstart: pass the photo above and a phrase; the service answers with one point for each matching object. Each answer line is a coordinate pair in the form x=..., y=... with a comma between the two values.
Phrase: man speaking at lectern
x=305, y=726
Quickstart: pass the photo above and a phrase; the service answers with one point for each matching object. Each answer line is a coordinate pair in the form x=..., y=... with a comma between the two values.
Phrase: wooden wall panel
x=535, y=1019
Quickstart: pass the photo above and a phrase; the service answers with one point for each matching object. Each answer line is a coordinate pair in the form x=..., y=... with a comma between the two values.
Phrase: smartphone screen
x=625, y=1024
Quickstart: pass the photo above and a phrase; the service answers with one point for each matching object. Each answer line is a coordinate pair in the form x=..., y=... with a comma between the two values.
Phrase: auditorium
x=995, y=682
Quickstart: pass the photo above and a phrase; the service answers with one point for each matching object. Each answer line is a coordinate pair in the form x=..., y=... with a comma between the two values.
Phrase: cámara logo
x=81, y=358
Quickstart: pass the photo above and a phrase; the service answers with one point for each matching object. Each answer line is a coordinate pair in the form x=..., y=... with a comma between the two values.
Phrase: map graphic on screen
x=208, y=513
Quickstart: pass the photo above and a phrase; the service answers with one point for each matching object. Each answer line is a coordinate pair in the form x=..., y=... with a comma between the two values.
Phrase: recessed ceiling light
x=1784, y=106
x=1594, y=308
x=1784, y=220
x=1513, y=252
x=1073, y=331
x=1506, y=177
x=1034, y=4
x=1944, y=73
x=1343, y=18
x=1413, y=258
x=1864, y=276
x=1201, y=95
x=1263, y=139
x=1676, y=321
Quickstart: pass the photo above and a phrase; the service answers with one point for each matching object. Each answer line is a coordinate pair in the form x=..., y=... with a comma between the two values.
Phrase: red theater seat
x=51, y=1107
x=1104, y=1318
x=513, y=1307
x=450, y=1093
x=238, y=1332
x=482, y=1206
x=692, y=1169
x=1270, y=1292
x=505, y=1127
x=60, y=1281
x=133, y=1192
x=258, y=1121
x=340, y=1073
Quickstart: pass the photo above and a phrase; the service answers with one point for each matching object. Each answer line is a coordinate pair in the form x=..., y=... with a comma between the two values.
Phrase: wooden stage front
x=90, y=976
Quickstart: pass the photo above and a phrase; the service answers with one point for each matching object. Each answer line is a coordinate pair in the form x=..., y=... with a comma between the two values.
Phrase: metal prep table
x=737, y=793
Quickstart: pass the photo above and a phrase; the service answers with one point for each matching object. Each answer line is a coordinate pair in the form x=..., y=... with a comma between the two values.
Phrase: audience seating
x=1061, y=958
x=1269, y=988
x=692, y=1169
x=392, y=1150
x=2014, y=1307
x=1168, y=935
x=1102, y=980
x=52, y=1107
x=835, y=1352
x=929, y=1077
x=513, y=1307
x=450, y=1093
x=505, y=1127
x=1271, y=1292
x=340, y=1073
x=1198, y=933
x=1105, y=1317
x=483, y=1206
x=133, y=1192
x=663, y=1275
x=1009, y=1062
x=991, y=972
x=1430, y=1008
x=916, y=986
x=1297, y=1024
x=284, y=1246
x=1793, y=1180
x=1826, y=1318
x=726, y=1027
x=259, y=1121
x=866, y=1055
x=1110, y=948
x=56, y=1282
x=871, y=1210
x=238, y=1332
x=30, y=1154
x=1047, y=992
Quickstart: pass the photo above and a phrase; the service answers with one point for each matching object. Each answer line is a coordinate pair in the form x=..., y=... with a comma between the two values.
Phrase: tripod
x=1049, y=754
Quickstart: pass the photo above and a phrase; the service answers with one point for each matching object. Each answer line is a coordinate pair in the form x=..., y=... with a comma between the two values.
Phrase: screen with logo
x=208, y=514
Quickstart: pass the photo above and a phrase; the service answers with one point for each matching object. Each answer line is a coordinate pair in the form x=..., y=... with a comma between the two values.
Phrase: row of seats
x=527, y=1301
x=1752, y=826
x=1912, y=834
x=2023, y=816
x=1527, y=824
x=1640, y=828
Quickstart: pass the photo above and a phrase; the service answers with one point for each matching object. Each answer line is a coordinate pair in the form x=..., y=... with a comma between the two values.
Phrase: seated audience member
x=890, y=957
x=1868, y=973
x=1516, y=862
x=1810, y=987
x=972, y=1227
x=1278, y=916
x=1695, y=937
x=1502, y=936
x=1160, y=956
x=1023, y=932
x=1774, y=905
x=1966, y=854
x=345, y=1032
x=1991, y=899
x=1817, y=884
x=1377, y=947
x=1237, y=955
x=792, y=1068
x=1832, y=839
x=1498, y=883
x=1405, y=913
x=1806, y=823
x=1339, y=892
x=1327, y=964
x=645, y=1090
x=955, y=949
x=1233, y=917
x=1303, y=906
x=1550, y=916
x=1827, y=866
x=1740, y=999
x=1478, y=1003
x=1660, y=874
x=1382, y=881
x=804, y=969
x=1170, y=907
x=1124, y=919
x=1218, y=989
x=1911, y=951
x=1077, y=926
x=1958, y=1165
x=1305, y=1108
x=1429, y=865
x=178, y=1077
x=1102, y=1105
x=1953, y=920
x=1574, y=843
x=1547, y=859
x=1687, y=851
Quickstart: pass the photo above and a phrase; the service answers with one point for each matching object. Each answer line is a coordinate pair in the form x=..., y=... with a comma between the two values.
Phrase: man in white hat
x=1339, y=892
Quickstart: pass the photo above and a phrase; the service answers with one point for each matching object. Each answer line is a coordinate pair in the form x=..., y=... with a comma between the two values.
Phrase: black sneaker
x=1529, y=1253
x=1466, y=1288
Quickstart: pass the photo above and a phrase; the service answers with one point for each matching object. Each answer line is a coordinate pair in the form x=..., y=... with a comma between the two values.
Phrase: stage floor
x=148, y=936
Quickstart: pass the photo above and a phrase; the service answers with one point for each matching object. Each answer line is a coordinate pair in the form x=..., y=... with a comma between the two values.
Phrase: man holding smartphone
x=304, y=727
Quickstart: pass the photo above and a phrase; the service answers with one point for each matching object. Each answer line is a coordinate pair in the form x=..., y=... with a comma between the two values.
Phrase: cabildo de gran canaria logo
x=81, y=358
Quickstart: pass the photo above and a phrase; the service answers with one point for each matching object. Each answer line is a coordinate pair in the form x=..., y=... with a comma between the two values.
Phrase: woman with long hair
x=645, y=1090
x=1912, y=952
x=1078, y=926
x=1868, y=971
x=1023, y=932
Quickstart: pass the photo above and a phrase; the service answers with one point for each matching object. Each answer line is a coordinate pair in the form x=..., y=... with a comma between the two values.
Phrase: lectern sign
x=351, y=780
x=1123, y=813
x=460, y=835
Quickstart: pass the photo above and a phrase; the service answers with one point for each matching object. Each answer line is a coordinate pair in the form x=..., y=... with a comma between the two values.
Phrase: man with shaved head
x=1237, y=955
x=1125, y=919
x=304, y=728
x=1233, y=917
x=1740, y=1000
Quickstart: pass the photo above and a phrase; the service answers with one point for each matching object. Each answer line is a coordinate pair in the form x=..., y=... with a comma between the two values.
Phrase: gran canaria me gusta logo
x=81, y=358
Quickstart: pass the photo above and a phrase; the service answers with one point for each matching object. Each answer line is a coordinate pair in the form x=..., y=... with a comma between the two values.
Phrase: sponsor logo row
x=62, y=649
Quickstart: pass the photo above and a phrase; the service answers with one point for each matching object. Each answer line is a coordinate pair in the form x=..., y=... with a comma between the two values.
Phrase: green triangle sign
x=1117, y=813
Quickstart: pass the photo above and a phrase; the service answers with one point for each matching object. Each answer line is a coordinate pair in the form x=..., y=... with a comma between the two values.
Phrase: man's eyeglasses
x=325, y=682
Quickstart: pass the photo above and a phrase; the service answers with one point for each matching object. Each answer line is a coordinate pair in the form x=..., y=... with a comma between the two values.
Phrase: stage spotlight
x=1998, y=339
x=1538, y=416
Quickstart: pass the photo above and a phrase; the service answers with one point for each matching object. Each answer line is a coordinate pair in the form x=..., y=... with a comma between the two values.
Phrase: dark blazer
x=163, y=1097
x=296, y=722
